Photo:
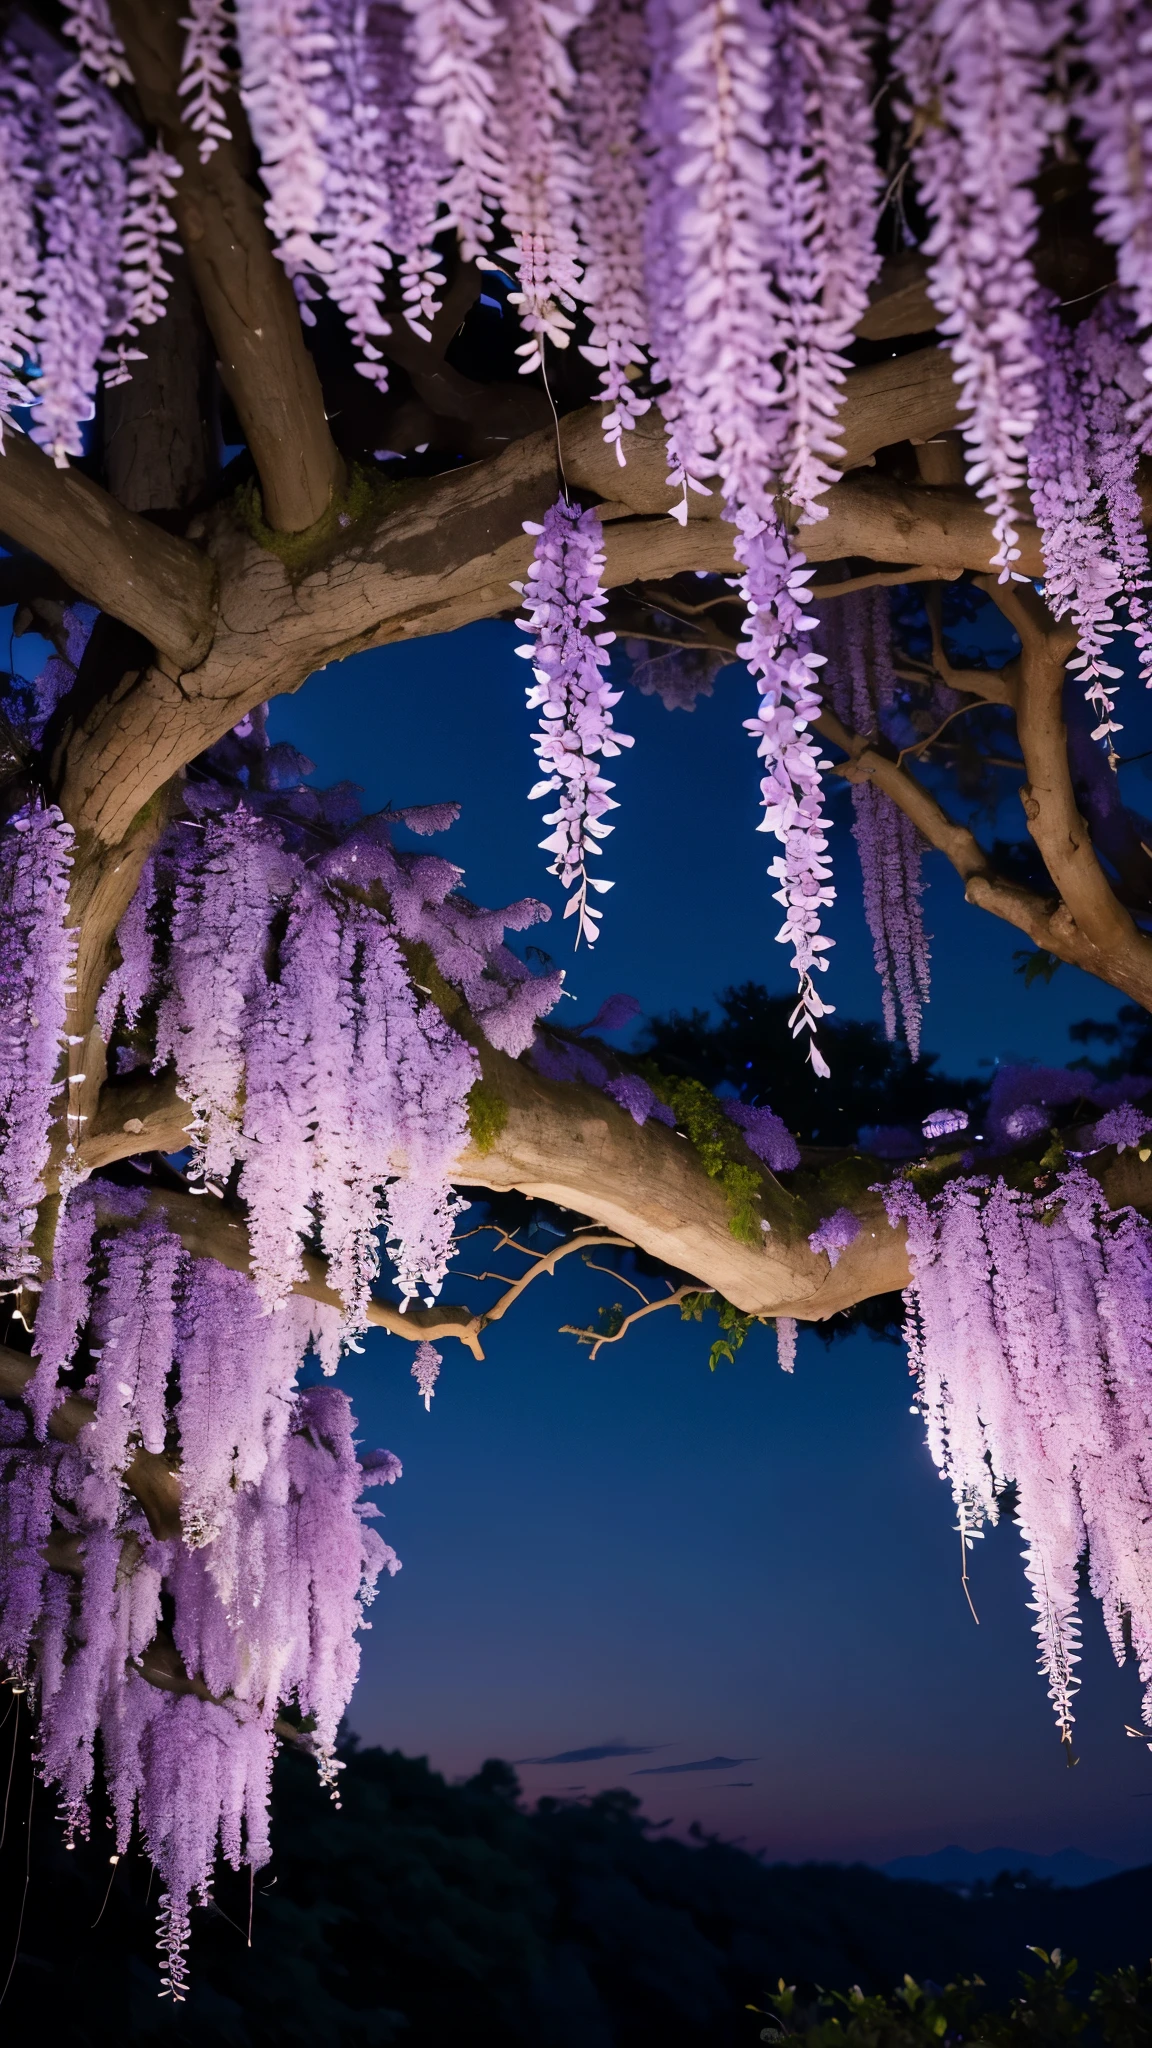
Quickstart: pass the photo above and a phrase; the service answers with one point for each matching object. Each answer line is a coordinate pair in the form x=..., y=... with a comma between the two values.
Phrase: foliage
x=749, y=1049
x=734, y=1324
x=367, y=492
x=1035, y=964
x=425, y=1913
x=487, y=1116
x=704, y=1123
x=1116, y=2014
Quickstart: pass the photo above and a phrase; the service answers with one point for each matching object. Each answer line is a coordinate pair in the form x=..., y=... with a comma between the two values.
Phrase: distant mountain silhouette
x=423, y=1914
x=953, y=1866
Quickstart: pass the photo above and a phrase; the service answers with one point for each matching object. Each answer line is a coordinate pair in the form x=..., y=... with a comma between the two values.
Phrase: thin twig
x=920, y=745
x=547, y=1264
x=964, y=1569
x=115, y=1862
x=596, y=1339
x=614, y=1275
x=11, y=1768
x=24, y=1895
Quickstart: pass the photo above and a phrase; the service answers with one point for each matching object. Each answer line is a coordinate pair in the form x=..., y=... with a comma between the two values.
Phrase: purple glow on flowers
x=765, y=1134
x=37, y=954
x=835, y=1234
x=1030, y=1335
x=786, y=1343
x=609, y=95
x=266, y=1593
x=564, y=601
x=426, y=1372
x=205, y=80
x=856, y=630
x=981, y=68
x=1125, y=1127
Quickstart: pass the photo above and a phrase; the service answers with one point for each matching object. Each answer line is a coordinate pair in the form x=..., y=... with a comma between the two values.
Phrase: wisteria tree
x=795, y=332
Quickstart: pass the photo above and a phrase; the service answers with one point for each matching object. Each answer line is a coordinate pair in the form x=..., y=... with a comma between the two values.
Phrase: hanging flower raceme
x=236, y=1576
x=538, y=169
x=773, y=587
x=148, y=228
x=284, y=54
x=760, y=258
x=1030, y=1334
x=564, y=600
x=454, y=86
x=19, y=256
x=205, y=80
x=426, y=1372
x=305, y=1054
x=857, y=632
x=37, y=953
x=1115, y=108
x=609, y=96
x=81, y=203
x=976, y=78
x=1082, y=472
x=826, y=187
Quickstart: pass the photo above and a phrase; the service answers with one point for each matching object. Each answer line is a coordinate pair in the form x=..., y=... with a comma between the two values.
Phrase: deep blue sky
x=638, y=1551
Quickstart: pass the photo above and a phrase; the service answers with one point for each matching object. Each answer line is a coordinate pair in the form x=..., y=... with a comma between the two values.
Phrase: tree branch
x=1047, y=921
x=248, y=302
x=596, y=1339
x=154, y=582
x=1089, y=905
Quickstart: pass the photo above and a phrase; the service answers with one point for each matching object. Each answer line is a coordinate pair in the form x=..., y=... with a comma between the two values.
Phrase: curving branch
x=247, y=300
x=596, y=1338
x=1089, y=904
x=157, y=584
x=1047, y=921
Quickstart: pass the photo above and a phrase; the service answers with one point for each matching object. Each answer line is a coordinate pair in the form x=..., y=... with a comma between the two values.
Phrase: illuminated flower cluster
x=564, y=602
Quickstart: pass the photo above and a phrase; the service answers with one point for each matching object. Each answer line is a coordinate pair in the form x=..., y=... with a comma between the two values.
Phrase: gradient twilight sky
x=639, y=1554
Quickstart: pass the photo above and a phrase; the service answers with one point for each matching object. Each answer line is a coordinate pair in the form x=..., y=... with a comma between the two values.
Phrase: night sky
x=731, y=1569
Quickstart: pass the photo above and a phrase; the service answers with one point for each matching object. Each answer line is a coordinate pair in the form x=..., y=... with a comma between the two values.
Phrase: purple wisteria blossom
x=264, y=1592
x=426, y=1372
x=857, y=633
x=564, y=603
x=538, y=172
x=37, y=953
x=1126, y=1127
x=609, y=95
x=765, y=1134
x=975, y=73
x=1030, y=1335
x=19, y=255
x=786, y=1343
x=835, y=1234
x=1115, y=108
x=205, y=80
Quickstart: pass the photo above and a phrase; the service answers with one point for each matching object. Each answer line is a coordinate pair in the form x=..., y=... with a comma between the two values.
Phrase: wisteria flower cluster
x=309, y=1059
x=1082, y=464
x=1030, y=1335
x=250, y=1600
x=564, y=601
x=37, y=957
x=857, y=633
